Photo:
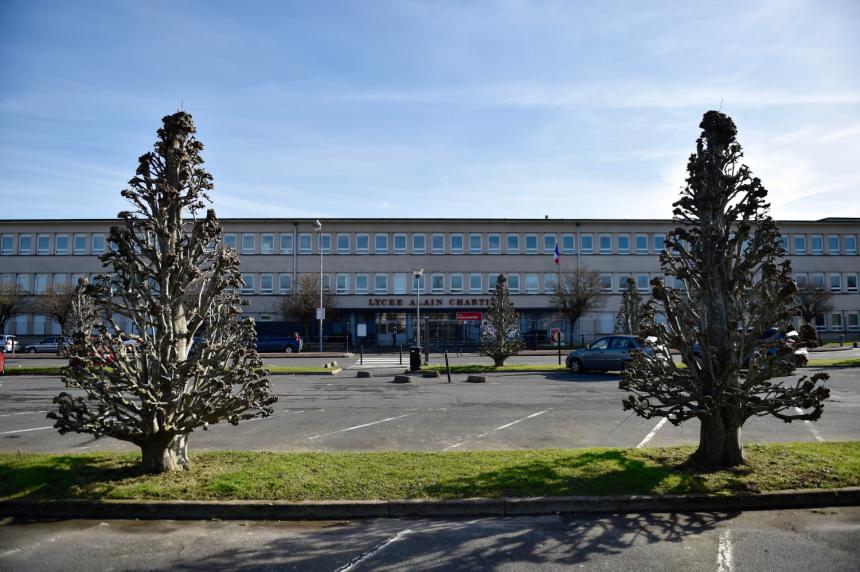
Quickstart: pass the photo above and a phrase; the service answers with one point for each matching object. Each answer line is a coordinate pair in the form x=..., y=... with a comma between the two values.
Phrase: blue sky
x=431, y=109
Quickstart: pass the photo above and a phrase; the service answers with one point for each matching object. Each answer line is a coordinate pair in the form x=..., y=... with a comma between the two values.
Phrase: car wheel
x=31, y=351
x=288, y=349
x=576, y=366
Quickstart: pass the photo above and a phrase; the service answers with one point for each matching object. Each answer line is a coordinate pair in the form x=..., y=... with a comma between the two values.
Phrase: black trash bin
x=415, y=358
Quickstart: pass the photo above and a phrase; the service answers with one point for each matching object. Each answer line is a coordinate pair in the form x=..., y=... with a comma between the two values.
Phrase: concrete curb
x=324, y=510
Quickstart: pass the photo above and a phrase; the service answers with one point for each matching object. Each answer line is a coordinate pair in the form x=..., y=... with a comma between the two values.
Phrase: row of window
x=797, y=244
x=56, y=244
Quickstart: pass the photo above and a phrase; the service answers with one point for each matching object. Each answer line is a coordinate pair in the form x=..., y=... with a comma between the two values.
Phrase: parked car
x=8, y=343
x=48, y=345
x=609, y=353
x=790, y=338
x=273, y=344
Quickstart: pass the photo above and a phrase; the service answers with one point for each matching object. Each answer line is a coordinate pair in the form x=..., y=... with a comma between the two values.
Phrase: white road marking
x=724, y=552
x=9, y=552
x=809, y=426
x=455, y=445
x=22, y=413
x=25, y=430
x=360, y=426
x=373, y=551
x=653, y=432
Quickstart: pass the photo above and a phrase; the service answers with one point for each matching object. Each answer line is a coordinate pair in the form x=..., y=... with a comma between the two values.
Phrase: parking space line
x=724, y=552
x=454, y=446
x=26, y=430
x=373, y=551
x=809, y=425
x=360, y=426
x=22, y=413
x=653, y=432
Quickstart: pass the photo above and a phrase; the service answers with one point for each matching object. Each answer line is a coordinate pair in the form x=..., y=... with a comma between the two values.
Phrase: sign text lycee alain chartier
x=443, y=302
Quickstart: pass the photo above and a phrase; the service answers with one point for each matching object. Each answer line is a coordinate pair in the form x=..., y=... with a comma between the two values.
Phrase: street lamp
x=417, y=274
x=321, y=309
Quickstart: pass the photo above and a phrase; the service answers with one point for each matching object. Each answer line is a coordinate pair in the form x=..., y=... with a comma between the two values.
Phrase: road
x=510, y=411
x=786, y=540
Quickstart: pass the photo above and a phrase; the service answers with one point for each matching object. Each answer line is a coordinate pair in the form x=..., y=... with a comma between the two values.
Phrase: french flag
x=556, y=257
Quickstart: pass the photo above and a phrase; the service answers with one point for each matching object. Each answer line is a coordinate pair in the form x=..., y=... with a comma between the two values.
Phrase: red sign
x=470, y=316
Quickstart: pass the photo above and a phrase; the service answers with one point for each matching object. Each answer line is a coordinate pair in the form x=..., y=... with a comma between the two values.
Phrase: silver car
x=609, y=353
x=7, y=342
x=48, y=345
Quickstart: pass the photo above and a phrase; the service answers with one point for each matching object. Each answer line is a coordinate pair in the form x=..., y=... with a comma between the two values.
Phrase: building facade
x=368, y=265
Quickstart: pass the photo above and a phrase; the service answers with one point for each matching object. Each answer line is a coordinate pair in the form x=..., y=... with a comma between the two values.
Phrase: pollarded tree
x=501, y=336
x=12, y=301
x=726, y=251
x=630, y=313
x=173, y=281
x=578, y=293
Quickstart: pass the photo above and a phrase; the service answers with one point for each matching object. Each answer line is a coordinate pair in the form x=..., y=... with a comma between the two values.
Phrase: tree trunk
x=719, y=441
x=499, y=361
x=161, y=454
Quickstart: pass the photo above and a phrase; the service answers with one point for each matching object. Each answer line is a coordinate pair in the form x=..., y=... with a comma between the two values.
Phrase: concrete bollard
x=364, y=374
x=431, y=373
x=476, y=379
x=402, y=379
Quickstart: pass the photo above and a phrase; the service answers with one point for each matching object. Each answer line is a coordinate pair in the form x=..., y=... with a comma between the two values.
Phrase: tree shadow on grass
x=65, y=476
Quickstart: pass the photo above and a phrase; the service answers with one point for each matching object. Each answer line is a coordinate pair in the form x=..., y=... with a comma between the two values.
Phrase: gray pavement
x=788, y=540
x=511, y=411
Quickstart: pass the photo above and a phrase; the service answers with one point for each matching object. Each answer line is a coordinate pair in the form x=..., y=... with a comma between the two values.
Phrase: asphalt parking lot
x=510, y=411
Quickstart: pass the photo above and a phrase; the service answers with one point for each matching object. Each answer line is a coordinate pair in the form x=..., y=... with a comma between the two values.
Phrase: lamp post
x=320, y=309
x=417, y=274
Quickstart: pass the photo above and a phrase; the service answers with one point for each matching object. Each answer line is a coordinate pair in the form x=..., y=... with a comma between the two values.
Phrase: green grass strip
x=33, y=370
x=834, y=362
x=395, y=475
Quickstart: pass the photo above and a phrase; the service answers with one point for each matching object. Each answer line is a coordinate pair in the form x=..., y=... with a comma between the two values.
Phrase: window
x=362, y=244
x=606, y=282
x=514, y=283
x=851, y=283
x=492, y=278
x=399, y=244
x=783, y=241
x=247, y=283
x=343, y=243
x=341, y=283
x=456, y=244
x=305, y=243
x=549, y=242
x=380, y=283
x=513, y=244
x=98, y=244
x=420, y=283
x=419, y=244
x=6, y=244
x=286, y=243
x=531, y=244
x=659, y=243
x=832, y=245
x=836, y=321
x=80, y=244
x=817, y=245
x=249, y=243
x=361, y=283
x=267, y=246
x=437, y=244
x=799, y=244
x=605, y=244
x=43, y=244
x=380, y=244
x=818, y=281
x=456, y=284
x=820, y=322
x=532, y=283
x=38, y=325
x=326, y=283
x=475, y=283
x=802, y=280
x=550, y=283
x=642, y=282
x=836, y=283
x=324, y=245
x=641, y=244
x=586, y=244
x=230, y=241
x=398, y=285
x=25, y=244
x=476, y=244
x=623, y=280
x=23, y=282
x=853, y=320
x=624, y=244
x=494, y=244
x=59, y=280
x=850, y=243
x=568, y=243
x=267, y=282
x=7, y=279
x=679, y=284
x=285, y=283
x=437, y=283
x=61, y=244
x=41, y=284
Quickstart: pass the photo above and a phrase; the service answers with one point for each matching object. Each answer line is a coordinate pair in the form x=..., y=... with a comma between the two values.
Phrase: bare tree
x=631, y=311
x=501, y=336
x=156, y=393
x=726, y=250
x=813, y=303
x=12, y=301
x=56, y=303
x=302, y=304
x=577, y=294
